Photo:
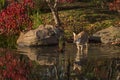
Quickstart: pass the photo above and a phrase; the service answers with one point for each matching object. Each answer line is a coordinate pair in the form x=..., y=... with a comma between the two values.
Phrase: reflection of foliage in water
x=13, y=66
x=101, y=69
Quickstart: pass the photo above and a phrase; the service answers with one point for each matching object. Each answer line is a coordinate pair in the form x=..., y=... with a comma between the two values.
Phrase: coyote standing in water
x=81, y=39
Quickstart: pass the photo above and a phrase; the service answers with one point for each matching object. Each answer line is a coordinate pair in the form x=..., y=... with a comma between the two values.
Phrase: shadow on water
x=100, y=63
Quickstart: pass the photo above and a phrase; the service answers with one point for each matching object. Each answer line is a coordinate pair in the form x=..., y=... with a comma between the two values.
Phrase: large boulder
x=109, y=35
x=43, y=35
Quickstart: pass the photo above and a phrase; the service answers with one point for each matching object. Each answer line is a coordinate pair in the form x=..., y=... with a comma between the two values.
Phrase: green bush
x=2, y=4
x=8, y=41
x=36, y=20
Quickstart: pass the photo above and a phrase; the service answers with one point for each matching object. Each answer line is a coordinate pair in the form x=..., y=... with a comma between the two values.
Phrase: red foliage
x=12, y=66
x=115, y=5
x=15, y=18
x=66, y=1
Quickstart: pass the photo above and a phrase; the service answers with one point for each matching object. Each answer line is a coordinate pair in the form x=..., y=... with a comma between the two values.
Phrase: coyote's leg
x=86, y=48
x=81, y=46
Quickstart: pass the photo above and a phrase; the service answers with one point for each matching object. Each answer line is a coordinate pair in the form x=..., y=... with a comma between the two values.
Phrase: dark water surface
x=100, y=63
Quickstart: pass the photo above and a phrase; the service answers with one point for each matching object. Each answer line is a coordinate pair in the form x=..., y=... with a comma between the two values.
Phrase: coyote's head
x=75, y=38
x=81, y=37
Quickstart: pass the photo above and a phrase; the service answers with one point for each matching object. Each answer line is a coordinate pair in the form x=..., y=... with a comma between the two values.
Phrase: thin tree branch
x=55, y=3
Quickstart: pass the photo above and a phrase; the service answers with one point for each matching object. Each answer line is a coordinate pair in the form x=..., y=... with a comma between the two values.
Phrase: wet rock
x=94, y=39
x=43, y=35
x=108, y=35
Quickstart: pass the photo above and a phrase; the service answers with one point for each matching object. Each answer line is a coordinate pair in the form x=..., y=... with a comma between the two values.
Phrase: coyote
x=81, y=39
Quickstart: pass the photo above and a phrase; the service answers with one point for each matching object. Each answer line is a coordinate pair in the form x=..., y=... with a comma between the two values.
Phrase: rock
x=43, y=35
x=116, y=42
x=109, y=34
x=94, y=39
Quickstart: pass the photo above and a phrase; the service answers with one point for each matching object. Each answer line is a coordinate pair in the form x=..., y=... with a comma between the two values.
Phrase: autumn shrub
x=15, y=17
x=14, y=66
x=115, y=5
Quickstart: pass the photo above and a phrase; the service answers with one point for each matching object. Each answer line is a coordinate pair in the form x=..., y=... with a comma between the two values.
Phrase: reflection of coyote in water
x=81, y=41
x=79, y=61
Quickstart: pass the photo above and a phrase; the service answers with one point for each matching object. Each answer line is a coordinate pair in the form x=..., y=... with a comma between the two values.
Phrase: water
x=101, y=63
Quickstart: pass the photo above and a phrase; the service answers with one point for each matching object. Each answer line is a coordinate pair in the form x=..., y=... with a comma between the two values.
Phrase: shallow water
x=99, y=63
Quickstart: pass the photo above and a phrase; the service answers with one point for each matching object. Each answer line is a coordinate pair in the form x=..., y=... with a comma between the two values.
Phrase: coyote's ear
x=74, y=34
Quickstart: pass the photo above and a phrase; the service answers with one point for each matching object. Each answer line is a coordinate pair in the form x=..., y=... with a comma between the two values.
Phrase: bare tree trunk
x=56, y=17
x=53, y=7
